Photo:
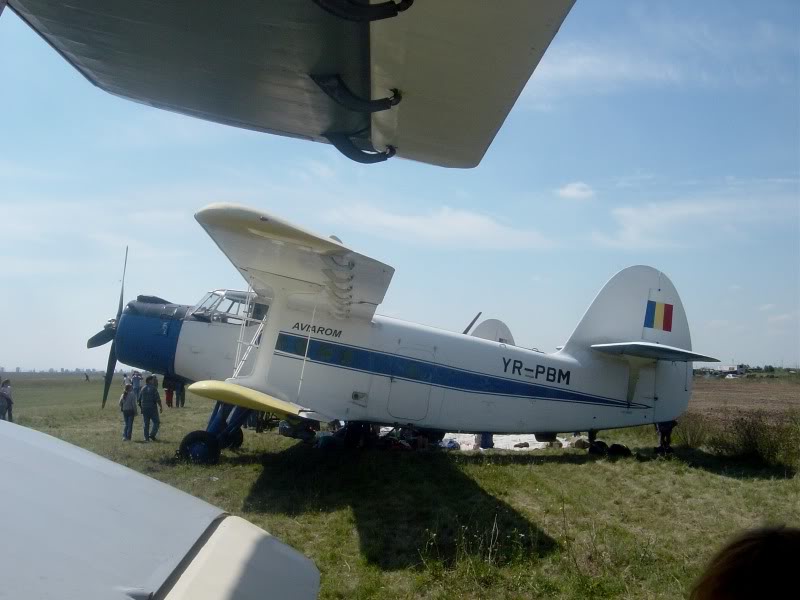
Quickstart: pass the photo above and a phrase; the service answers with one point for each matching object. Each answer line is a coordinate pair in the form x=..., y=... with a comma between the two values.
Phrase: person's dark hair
x=149, y=379
x=6, y=381
x=759, y=563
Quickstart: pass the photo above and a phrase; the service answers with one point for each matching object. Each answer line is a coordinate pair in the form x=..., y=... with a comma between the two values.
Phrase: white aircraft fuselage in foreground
x=323, y=354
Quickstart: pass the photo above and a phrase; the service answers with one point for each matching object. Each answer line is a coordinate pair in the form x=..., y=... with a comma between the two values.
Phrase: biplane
x=305, y=342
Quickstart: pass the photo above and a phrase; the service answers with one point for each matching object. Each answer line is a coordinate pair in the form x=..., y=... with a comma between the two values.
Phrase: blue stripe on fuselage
x=385, y=364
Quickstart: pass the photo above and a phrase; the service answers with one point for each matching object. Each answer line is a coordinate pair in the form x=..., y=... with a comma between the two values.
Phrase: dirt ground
x=721, y=398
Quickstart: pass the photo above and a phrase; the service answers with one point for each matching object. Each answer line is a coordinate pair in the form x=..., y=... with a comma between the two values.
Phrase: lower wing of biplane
x=428, y=80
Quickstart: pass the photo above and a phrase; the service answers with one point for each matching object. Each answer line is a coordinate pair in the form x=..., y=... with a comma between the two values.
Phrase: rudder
x=638, y=304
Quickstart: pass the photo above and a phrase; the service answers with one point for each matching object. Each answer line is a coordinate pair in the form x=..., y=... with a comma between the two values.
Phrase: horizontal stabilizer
x=654, y=351
x=238, y=395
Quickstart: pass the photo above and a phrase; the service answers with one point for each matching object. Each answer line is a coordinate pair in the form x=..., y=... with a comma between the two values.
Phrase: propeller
x=107, y=334
x=471, y=323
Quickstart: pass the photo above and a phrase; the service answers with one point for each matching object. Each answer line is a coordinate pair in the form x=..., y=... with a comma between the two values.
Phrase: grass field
x=545, y=524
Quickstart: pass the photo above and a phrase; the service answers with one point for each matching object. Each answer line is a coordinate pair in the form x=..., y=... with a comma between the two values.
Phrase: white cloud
x=784, y=318
x=24, y=266
x=635, y=180
x=664, y=50
x=158, y=128
x=577, y=190
x=13, y=170
x=160, y=218
x=443, y=227
x=653, y=225
x=725, y=215
x=321, y=170
x=765, y=307
x=602, y=68
x=141, y=249
x=580, y=69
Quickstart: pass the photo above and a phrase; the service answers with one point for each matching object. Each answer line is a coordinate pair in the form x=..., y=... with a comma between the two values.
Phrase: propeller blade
x=466, y=331
x=122, y=289
x=112, y=364
x=101, y=337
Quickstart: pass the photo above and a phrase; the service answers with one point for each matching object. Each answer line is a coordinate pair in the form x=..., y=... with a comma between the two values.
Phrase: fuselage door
x=410, y=387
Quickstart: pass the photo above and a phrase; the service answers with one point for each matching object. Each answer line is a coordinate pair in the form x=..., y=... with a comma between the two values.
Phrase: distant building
x=18, y=369
x=728, y=369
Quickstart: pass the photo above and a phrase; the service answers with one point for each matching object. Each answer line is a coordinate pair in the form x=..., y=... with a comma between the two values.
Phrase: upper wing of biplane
x=429, y=80
x=320, y=272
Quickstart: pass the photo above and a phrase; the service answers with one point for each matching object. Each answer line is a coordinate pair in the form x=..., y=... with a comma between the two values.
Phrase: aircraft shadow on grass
x=406, y=506
x=727, y=466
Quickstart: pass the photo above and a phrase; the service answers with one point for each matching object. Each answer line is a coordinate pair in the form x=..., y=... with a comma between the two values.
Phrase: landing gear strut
x=224, y=431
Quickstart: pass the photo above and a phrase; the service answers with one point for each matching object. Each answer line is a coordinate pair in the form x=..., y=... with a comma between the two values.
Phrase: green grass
x=544, y=524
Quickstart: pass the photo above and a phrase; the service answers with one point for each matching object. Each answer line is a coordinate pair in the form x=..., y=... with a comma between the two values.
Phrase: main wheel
x=199, y=447
x=236, y=439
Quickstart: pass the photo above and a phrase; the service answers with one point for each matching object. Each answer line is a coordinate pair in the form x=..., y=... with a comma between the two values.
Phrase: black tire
x=619, y=450
x=598, y=448
x=200, y=447
x=236, y=439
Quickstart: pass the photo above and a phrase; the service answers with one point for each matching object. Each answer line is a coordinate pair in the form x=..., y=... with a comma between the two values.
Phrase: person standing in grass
x=3, y=407
x=6, y=401
x=180, y=395
x=127, y=404
x=150, y=402
x=136, y=382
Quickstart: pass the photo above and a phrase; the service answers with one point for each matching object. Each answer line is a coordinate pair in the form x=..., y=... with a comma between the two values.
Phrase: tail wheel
x=199, y=447
x=236, y=439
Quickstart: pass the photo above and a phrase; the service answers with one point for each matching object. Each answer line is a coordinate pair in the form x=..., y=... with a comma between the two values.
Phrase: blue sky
x=661, y=133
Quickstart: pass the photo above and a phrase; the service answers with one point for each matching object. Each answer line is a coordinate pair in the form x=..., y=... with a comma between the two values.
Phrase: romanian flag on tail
x=658, y=316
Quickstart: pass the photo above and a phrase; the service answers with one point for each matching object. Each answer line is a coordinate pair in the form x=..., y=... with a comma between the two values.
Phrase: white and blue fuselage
x=394, y=372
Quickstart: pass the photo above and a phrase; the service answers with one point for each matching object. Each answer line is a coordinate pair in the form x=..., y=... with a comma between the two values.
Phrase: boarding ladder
x=243, y=347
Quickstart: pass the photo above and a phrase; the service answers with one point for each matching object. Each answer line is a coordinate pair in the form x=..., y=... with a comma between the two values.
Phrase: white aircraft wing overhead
x=271, y=253
x=81, y=526
x=429, y=80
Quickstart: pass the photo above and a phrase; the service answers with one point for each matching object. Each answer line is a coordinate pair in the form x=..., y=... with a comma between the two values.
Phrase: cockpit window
x=229, y=306
x=208, y=301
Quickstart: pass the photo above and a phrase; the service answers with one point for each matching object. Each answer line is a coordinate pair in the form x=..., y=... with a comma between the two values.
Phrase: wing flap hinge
x=335, y=87
x=362, y=11
x=344, y=144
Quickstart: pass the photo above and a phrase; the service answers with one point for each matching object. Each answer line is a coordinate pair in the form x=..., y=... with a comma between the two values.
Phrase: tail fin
x=638, y=308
